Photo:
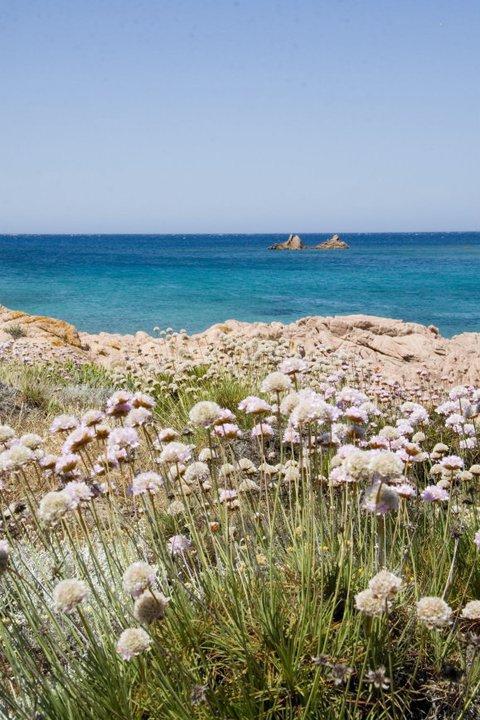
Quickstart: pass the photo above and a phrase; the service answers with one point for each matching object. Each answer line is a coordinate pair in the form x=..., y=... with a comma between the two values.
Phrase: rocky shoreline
x=396, y=349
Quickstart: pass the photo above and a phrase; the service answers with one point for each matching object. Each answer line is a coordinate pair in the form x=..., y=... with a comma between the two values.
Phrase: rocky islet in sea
x=295, y=242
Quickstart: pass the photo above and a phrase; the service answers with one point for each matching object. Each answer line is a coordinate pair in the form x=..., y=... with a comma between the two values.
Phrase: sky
x=219, y=116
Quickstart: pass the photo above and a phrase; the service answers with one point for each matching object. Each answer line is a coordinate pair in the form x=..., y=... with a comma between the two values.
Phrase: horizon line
x=247, y=234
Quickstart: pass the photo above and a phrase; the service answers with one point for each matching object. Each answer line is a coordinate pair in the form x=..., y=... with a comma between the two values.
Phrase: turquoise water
x=124, y=283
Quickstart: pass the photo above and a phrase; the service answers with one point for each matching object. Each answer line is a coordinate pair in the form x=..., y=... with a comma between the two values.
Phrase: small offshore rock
x=333, y=243
x=294, y=242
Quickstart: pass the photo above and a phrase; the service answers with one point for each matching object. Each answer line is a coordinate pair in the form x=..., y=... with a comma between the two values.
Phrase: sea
x=125, y=283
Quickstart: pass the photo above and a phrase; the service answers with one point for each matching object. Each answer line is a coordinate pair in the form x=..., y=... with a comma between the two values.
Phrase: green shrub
x=16, y=331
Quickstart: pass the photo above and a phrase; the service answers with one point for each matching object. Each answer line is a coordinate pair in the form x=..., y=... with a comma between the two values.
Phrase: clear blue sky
x=239, y=116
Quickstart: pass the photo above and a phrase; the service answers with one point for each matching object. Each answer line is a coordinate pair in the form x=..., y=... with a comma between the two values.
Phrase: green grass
x=54, y=388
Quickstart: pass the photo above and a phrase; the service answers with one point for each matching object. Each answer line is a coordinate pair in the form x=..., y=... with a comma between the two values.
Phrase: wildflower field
x=282, y=539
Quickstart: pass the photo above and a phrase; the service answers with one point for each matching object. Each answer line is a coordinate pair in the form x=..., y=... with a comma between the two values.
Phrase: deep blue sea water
x=124, y=283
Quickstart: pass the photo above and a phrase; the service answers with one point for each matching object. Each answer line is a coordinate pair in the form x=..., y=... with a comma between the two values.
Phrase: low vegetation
x=287, y=542
x=15, y=331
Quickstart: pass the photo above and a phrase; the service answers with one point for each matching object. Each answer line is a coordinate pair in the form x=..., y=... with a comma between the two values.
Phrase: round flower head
x=452, y=463
x=416, y=413
x=380, y=499
x=176, y=452
x=357, y=464
x=247, y=466
x=293, y=366
x=385, y=465
x=471, y=611
x=207, y=455
x=133, y=642
x=253, y=405
x=66, y=463
x=268, y=469
x=351, y=396
x=175, y=472
x=92, y=418
x=226, y=470
x=440, y=448
x=227, y=495
x=138, y=417
x=385, y=584
x=411, y=452
x=436, y=471
x=447, y=408
x=102, y=431
x=355, y=415
x=455, y=421
x=63, y=423
x=433, y=612
x=370, y=604
x=78, y=491
x=142, y=400
x=119, y=404
x=291, y=435
x=225, y=416
x=262, y=429
x=175, y=508
x=47, y=462
x=405, y=428
x=468, y=443
x=389, y=433
x=196, y=472
x=312, y=408
x=248, y=485
x=419, y=437
x=78, y=439
x=276, y=382
x=289, y=402
x=291, y=475
x=19, y=455
x=405, y=490
x=138, y=577
x=378, y=678
x=166, y=435
x=6, y=433
x=229, y=431
x=31, y=441
x=68, y=594
x=53, y=506
x=434, y=493
x=15, y=457
x=5, y=462
x=123, y=438
x=204, y=413
x=179, y=545
x=150, y=606
x=146, y=482
x=377, y=442
x=4, y=554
